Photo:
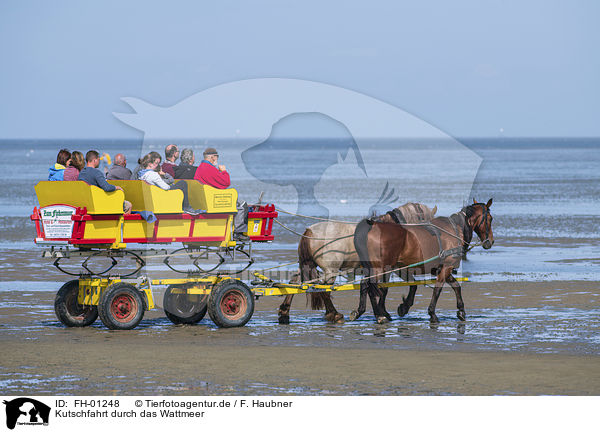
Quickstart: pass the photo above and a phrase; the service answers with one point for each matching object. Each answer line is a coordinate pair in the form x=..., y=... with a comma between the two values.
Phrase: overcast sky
x=470, y=68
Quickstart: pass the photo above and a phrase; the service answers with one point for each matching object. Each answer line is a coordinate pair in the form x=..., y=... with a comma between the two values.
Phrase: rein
x=310, y=237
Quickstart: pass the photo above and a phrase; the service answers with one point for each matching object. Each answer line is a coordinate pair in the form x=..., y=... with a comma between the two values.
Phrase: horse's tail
x=361, y=234
x=308, y=268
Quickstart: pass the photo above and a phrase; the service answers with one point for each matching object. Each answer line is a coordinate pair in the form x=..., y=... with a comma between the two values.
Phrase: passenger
x=94, y=177
x=171, y=155
x=209, y=173
x=119, y=171
x=186, y=169
x=136, y=170
x=57, y=172
x=150, y=163
x=76, y=165
x=168, y=178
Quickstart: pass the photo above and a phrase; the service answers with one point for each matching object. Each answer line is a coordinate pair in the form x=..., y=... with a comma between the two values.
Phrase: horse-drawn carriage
x=78, y=221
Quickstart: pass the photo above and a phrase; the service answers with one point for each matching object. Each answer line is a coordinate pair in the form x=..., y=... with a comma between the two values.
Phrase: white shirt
x=154, y=178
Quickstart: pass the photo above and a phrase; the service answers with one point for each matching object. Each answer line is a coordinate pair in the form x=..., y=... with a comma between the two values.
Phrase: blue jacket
x=57, y=172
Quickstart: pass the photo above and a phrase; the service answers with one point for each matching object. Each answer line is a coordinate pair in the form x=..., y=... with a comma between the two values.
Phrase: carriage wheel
x=181, y=309
x=68, y=311
x=121, y=306
x=231, y=303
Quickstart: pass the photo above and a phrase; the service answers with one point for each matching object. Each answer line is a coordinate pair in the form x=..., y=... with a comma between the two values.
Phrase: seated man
x=119, y=170
x=209, y=173
x=171, y=155
x=150, y=164
x=57, y=172
x=186, y=169
x=94, y=177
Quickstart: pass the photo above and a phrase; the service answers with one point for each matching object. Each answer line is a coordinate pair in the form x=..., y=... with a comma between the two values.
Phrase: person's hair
x=209, y=152
x=77, y=160
x=156, y=155
x=63, y=157
x=170, y=150
x=187, y=154
x=149, y=158
x=91, y=155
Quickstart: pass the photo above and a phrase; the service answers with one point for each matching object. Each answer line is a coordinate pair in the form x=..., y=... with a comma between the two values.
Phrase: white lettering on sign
x=56, y=220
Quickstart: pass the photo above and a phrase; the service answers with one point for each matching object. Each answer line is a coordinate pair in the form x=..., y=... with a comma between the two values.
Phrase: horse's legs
x=384, y=292
x=284, y=309
x=331, y=314
x=362, y=302
x=375, y=295
x=460, y=305
x=442, y=276
x=408, y=301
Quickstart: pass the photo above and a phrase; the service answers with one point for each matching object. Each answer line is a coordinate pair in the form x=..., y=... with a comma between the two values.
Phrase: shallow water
x=546, y=202
x=546, y=329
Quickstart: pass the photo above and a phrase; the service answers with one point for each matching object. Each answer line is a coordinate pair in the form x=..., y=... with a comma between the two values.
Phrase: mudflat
x=520, y=338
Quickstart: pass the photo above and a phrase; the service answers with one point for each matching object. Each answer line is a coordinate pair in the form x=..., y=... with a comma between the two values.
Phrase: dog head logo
x=313, y=148
x=26, y=411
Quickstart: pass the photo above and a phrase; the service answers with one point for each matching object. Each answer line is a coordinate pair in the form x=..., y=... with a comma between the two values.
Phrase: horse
x=383, y=246
x=330, y=246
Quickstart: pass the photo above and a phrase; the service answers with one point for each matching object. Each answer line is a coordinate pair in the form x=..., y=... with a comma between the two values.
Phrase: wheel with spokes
x=231, y=303
x=69, y=311
x=121, y=306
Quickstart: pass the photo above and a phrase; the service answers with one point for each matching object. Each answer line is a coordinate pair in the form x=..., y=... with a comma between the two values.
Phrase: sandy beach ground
x=529, y=338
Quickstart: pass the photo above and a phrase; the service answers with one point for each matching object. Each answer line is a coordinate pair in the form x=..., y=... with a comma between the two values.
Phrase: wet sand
x=309, y=357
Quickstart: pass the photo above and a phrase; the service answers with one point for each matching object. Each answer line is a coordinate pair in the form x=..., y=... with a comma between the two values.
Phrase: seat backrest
x=79, y=194
x=144, y=196
x=211, y=199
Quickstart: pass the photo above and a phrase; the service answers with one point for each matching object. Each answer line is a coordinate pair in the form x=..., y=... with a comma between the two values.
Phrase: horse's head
x=480, y=219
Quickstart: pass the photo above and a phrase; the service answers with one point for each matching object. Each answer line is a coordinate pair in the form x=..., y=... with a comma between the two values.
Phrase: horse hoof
x=339, y=318
x=461, y=315
x=353, y=316
x=284, y=319
x=382, y=320
x=402, y=310
x=433, y=319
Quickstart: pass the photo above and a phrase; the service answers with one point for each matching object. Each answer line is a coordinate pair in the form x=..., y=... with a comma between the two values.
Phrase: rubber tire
x=131, y=298
x=181, y=311
x=68, y=311
x=235, y=293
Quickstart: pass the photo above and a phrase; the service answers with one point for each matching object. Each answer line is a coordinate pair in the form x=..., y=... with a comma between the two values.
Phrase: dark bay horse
x=329, y=246
x=382, y=247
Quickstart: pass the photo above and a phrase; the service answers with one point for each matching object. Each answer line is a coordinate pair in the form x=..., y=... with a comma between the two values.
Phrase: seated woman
x=57, y=172
x=149, y=174
x=77, y=164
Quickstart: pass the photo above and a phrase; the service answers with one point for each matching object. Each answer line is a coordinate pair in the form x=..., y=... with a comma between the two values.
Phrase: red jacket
x=210, y=175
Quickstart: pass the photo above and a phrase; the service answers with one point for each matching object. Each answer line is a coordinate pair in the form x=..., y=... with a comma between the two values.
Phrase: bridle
x=482, y=223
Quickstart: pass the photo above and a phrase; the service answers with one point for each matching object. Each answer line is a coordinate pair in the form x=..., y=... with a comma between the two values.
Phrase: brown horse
x=330, y=247
x=384, y=246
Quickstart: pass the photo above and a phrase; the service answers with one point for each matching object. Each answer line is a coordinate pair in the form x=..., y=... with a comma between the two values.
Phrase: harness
x=397, y=216
x=437, y=232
